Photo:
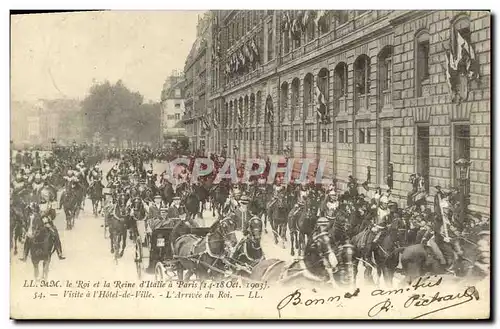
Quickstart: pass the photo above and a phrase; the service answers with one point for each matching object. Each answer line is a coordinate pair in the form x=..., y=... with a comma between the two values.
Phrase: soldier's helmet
x=19, y=177
x=38, y=177
x=384, y=200
x=70, y=172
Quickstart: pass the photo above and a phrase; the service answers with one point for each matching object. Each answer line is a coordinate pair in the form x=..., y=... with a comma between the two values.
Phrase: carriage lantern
x=462, y=171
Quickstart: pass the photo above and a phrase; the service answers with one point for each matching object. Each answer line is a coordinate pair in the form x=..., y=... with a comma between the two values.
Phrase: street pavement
x=88, y=254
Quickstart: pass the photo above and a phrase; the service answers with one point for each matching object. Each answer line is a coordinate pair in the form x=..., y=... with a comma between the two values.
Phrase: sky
x=61, y=55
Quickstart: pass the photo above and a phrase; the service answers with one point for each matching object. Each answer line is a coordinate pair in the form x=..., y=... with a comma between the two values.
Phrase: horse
x=167, y=193
x=316, y=268
x=39, y=241
x=278, y=215
x=71, y=205
x=419, y=259
x=117, y=224
x=96, y=196
x=385, y=251
x=204, y=256
x=191, y=203
x=18, y=225
x=219, y=195
x=301, y=225
x=248, y=252
x=258, y=204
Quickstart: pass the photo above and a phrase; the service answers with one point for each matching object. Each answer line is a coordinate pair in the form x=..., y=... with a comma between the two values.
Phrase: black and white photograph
x=250, y=164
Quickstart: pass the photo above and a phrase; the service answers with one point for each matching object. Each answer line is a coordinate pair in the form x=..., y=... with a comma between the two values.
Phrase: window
x=253, y=135
x=260, y=136
x=368, y=136
x=341, y=136
x=177, y=116
x=177, y=105
x=285, y=135
x=423, y=154
x=309, y=135
x=422, y=61
x=177, y=92
x=461, y=146
x=361, y=136
x=297, y=136
x=386, y=152
x=324, y=136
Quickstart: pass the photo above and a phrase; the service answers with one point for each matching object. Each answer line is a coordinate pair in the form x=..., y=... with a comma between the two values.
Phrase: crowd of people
x=360, y=215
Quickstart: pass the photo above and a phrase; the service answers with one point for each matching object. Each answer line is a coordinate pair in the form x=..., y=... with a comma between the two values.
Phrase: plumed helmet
x=332, y=193
x=70, y=172
x=37, y=176
x=384, y=199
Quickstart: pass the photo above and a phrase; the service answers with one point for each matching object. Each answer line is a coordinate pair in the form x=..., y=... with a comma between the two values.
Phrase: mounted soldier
x=329, y=206
x=444, y=242
x=417, y=198
x=302, y=193
x=71, y=180
x=95, y=176
x=47, y=215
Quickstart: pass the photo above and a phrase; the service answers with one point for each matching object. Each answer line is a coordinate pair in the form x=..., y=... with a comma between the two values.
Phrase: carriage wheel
x=160, y=272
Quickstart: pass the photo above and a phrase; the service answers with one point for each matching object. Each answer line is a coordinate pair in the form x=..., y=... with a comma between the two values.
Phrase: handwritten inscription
x=296, y=298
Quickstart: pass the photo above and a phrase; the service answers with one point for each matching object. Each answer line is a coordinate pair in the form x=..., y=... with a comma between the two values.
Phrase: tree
x=109, y=109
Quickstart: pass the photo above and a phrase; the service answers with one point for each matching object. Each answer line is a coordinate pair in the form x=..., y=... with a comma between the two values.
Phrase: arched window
x=361, y=82
x=422, y=46
x=295, y=98
x=323, y=82
x=252, y=109
x=284, y=101
x=308, y=95
x=385, y=75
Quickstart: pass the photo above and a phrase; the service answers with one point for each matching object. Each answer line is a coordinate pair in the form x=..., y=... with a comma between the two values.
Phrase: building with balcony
x=196, y=70
x=172, y=107
x=379, y=94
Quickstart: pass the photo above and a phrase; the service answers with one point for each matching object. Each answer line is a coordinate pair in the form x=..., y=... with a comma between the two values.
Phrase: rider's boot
x=57, y=242
x=25, y=251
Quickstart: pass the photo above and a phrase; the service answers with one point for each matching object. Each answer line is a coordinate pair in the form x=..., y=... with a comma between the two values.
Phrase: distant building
x=40, y=122
x=172, y=107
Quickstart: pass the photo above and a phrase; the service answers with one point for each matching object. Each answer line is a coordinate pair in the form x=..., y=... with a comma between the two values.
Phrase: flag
x=285, y=22
x=255, y=49
x=450, y=72
x=240, y=116
x=319, y=15
x=321, y=105
x=251, y=58
x=215, y=121
x=242, y=58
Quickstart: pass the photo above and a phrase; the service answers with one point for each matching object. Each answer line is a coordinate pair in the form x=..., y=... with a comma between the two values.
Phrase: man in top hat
x=154, y=208
x=175, y=210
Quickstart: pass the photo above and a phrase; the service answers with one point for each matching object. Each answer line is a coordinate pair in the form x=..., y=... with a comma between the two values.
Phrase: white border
x=187, y=5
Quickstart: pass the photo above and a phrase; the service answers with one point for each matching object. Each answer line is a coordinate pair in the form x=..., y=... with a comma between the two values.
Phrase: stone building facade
x=172, y=108
x=196, y=70
x=378, y=94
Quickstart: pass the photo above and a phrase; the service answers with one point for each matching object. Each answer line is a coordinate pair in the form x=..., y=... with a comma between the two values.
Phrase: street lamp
x=462, y=171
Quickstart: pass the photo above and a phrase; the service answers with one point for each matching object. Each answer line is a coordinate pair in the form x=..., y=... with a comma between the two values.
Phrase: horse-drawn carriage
x=161, y=257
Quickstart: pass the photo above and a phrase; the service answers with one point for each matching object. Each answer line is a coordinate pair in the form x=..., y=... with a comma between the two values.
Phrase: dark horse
x=301, y=225
x=204, y=256
x=167, y=193
x=40, y=242
x=71, y=205
x=96, y=196
x=316, y=268
x=278, y=216
x=191, y=203
x=248, y=252
x=385, y=251
x=219, y=194
x=117, y=223
x=18, y=225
